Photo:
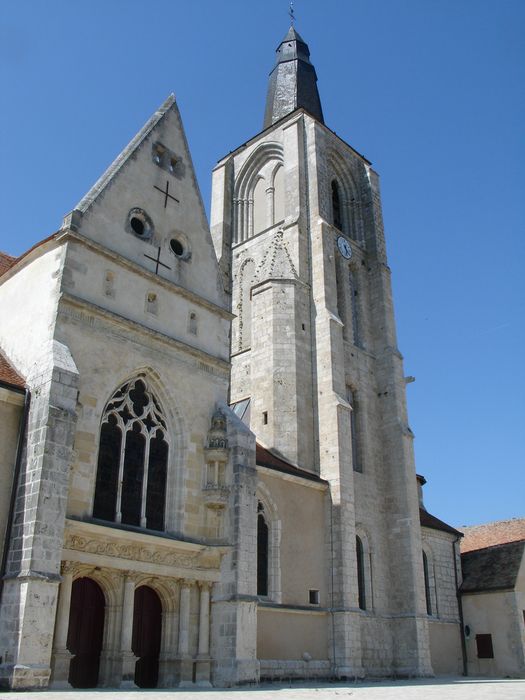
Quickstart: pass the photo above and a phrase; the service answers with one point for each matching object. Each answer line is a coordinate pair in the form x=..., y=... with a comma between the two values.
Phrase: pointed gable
x=147, y=208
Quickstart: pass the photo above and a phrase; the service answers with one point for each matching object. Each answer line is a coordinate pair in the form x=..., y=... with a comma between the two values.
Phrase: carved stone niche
x=216, y=478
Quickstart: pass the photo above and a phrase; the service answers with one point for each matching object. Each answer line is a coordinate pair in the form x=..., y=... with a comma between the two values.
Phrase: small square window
x=484, y=645
x=313, y=597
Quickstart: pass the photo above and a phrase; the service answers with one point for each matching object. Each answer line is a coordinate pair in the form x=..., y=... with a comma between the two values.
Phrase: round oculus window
x=177, y=247
x=140, y=223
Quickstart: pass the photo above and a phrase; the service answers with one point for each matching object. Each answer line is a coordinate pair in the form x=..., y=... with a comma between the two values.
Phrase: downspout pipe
x=460, y=607
x=16, y=474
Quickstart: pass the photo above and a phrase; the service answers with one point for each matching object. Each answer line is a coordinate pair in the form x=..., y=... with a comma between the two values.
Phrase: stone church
x=207, y=468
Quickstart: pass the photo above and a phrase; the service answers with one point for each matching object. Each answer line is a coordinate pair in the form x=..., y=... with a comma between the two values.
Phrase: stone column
x=61, y=655
x=186, y=663
x=203, y=664
x=270, y=206
x=126, y=633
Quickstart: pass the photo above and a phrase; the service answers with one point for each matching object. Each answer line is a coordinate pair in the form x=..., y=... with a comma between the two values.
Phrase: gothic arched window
x=361, y=579
x=337, y=218
x=262, y=552
x=132, y=459
x=427, y=584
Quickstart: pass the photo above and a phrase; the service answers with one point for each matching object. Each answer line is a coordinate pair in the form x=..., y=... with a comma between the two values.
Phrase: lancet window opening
x=262, y=552
x=259, y=193
x=268, y=547
x=345, y=205
x=133, y=459
x=428, y=596
x=361, y=576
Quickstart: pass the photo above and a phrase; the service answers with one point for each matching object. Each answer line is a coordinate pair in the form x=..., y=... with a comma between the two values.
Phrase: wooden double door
x=86, y=630
x=147, y=626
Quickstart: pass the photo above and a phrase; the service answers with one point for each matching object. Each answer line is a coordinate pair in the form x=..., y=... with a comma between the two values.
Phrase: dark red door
x=147, y=624
x=86, y=627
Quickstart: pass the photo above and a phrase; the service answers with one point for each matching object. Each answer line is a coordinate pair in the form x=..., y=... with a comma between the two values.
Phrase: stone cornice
x=87, y=307
x=146, y=553
x=69, y=235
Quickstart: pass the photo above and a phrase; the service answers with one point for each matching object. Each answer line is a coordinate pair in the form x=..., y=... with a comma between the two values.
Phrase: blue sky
x=430, y=91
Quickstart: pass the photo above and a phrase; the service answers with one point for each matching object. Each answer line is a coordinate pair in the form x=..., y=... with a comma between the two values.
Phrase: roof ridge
x=494, y=546
x=123, y=157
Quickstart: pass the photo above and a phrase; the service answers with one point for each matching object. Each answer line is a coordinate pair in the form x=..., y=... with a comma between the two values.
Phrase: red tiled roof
x=490, y=534
x=8, y=373
x=6, y=261
x=428, y=520
x=265, y=458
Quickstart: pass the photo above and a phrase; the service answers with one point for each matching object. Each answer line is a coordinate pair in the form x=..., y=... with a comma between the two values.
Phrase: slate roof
x=266, y=458
x=498, y=532
x=293, y=82
x=9, y=375
x=428, y=520
x=493, y=568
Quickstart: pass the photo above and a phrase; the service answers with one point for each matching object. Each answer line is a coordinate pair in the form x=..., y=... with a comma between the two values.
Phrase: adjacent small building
x=493, y=597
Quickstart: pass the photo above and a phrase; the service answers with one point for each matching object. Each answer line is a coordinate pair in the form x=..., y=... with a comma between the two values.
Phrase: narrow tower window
x=361, y=584
x=336, y=206
x=262, y=552
x=427, y=584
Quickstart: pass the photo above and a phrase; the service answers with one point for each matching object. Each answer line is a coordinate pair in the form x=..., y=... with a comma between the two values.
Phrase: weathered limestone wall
x=11, y=409
x=292, y=635
x=234, y=601
x=33, y=569
x=444, y=573
x=100, y=277
x=297, y=509
x=445, y=648
x=186, y=385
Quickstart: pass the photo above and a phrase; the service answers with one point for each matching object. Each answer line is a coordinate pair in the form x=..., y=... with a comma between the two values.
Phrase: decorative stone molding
x=90, y=540
x=277, y=262
x=216, y=480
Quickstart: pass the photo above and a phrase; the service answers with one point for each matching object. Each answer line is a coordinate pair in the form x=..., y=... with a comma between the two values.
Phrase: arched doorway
x=147, y=625
x=86, y=627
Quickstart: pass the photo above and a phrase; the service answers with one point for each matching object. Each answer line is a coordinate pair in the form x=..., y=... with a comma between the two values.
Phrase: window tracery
x=133, y=459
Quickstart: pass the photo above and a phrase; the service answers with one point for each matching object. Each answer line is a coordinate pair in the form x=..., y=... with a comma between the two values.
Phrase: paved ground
x=453, y=688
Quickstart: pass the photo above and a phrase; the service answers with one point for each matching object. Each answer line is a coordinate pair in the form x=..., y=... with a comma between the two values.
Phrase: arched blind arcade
x=132, y=459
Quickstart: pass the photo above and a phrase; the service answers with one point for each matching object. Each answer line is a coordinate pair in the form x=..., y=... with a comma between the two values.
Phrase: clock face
x=344, y=247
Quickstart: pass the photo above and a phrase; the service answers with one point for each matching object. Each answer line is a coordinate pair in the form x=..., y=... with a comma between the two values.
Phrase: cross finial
x=291, y=13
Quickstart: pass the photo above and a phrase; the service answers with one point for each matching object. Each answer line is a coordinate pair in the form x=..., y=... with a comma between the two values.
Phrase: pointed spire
x=293, y=81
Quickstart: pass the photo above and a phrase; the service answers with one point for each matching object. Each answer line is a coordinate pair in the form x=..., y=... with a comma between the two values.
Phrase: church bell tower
x=297, y=227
